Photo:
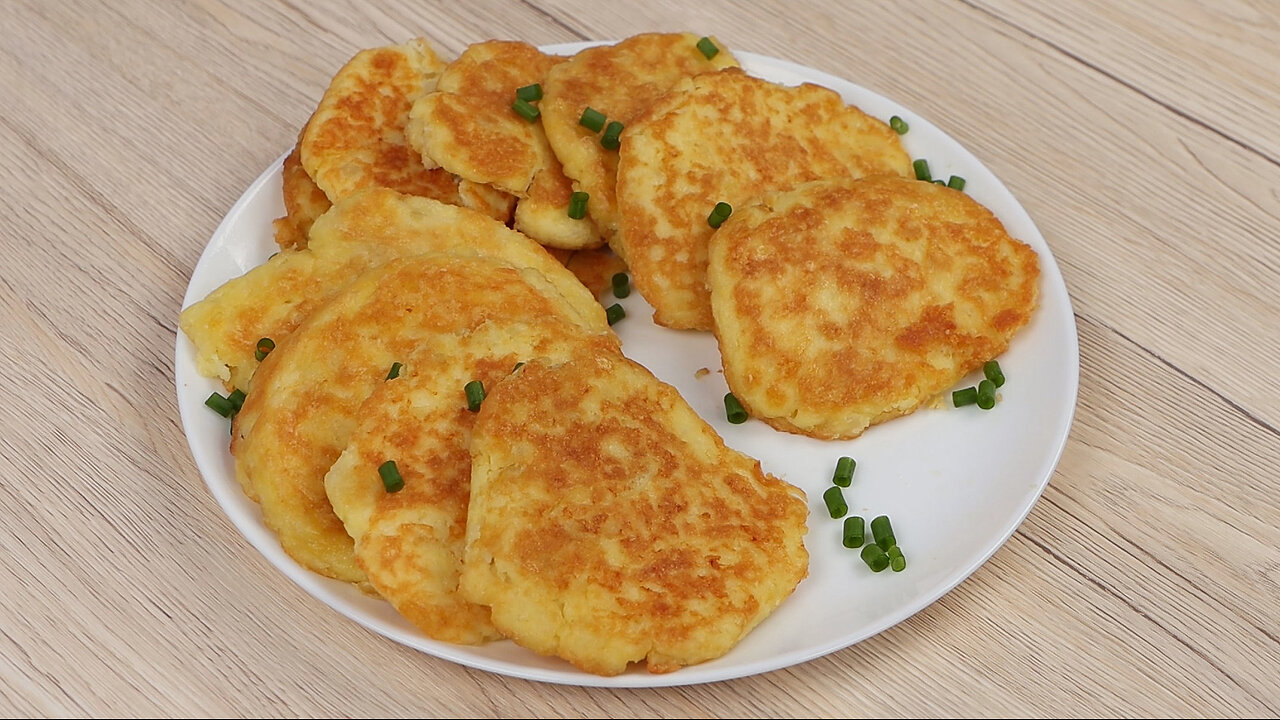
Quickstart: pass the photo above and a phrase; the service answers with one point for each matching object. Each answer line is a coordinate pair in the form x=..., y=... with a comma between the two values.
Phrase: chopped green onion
x=899, y=125
x=719, y=214
x=967, y=396
x=621, y=285
x=956, y=182
x=236, y=398
x=525, y=110
x=708, y=48
x=882, y=531
x=614, y=313
x=610, y=140
x=844, y=472
x=733, y=410
x=922, y=169
x=834, y=499
x=220, y=405
x=578, y=205
x=475, y=395
x=592, y=120
x=390, y=474
x=986, y=394
x=855, y=531
x=529, y=93
x=264, y=347
x=992, y=370
x=896, y=561
x=875, y=558
x=394, y=372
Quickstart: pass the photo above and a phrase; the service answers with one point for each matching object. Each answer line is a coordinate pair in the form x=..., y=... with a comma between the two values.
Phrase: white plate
x=956, y=482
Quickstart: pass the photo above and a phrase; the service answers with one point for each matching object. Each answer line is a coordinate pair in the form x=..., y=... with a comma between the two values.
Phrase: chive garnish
x=390, y=474
x=611, y=139
x=899, y=125
x=614, y=313
x=967, y=396
x=896, y=561
x=855, y=531
x=882, y=531
x=733, y=410
x=922, y=169
x=844, y=472
x=719, y=214
x=708, y=48
x=578, y=205
x=834, y=498
x=264, y=347
x=236, y=398
x=475, y=395
x=992, y=370
x=956, y=182
x=220, y=405
x=592, y=120
x=986, y=395
x=394, y=372
x=621, y=285
x=875, y=558
x=525, y=110
x=529, y=93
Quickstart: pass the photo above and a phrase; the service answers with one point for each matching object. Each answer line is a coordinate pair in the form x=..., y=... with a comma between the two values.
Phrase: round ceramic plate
x=955, y=481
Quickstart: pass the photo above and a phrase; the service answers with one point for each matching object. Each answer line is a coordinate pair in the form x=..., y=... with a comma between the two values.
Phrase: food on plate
x=306, y=395
x=727, y=137
x=620, y=81
x=467, y=125
x=410, y=542
x=355, y=139
x=844, y=303
x=358, y=233
x=304, y=201
x=595, y=268
x=609, y=524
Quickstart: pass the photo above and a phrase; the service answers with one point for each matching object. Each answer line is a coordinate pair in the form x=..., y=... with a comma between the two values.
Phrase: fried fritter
x=845, y=303
x=304, y=201
x=307, y=394
x=410, y=542
x=619, y=80
x=728, y=137
x=467, y=126
x=367, y=229
x=609, y=524
x=355, y=139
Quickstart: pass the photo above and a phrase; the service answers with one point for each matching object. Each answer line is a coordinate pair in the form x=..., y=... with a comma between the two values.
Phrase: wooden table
x=1142, y=137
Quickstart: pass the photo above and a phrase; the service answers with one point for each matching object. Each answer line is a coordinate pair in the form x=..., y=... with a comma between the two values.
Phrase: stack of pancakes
x=584, y=510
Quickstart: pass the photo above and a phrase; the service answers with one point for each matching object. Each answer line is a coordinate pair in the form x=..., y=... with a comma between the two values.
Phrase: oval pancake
x=845, y=303
x=729, y=137
x=355, y=139
x=609, y=524
x=410, y=542
x=619, y=80
x=356, y=234
x=306, y=395
x=468, y=127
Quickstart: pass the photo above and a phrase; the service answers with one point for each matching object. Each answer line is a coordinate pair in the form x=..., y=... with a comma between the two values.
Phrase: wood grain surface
x=1143, y=137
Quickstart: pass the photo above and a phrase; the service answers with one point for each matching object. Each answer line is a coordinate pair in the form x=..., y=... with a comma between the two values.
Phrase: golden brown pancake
x=355, y=235
x=355, y=139
x=845, y=303
x=307, y=394
x=609, y=524
x=467, y=126
x=410, y=542
x=304, y=201
x=595, y=268
x=619, y=80
x=728, y=137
